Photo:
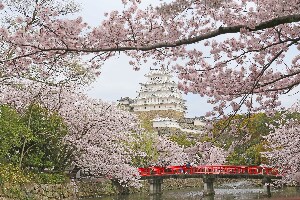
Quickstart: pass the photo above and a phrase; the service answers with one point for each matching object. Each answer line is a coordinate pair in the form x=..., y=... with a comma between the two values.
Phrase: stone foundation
x=84, y=189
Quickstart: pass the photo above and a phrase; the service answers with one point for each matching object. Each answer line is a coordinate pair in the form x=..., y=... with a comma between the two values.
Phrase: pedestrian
x=188, y=165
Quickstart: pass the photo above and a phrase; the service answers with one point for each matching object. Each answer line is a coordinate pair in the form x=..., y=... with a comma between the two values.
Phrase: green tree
x=182, y=140
x=12, y=129
x=246, y=132
x=33, y=139
x=45, y=149
x=145, y=143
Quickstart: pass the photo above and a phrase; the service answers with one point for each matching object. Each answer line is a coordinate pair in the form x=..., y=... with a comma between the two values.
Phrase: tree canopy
x=237, y=52
x=33, y=139
x=284, y=144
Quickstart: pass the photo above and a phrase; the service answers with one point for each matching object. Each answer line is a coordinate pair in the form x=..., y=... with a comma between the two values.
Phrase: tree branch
x=191, y=40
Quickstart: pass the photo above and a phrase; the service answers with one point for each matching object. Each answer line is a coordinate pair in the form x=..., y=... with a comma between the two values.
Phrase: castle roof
x=155, y=72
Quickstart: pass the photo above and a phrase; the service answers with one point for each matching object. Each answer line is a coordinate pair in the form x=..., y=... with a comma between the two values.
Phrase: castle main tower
x=160, y=93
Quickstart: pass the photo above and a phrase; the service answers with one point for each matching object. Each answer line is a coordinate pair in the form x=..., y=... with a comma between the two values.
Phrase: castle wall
x=165, y=123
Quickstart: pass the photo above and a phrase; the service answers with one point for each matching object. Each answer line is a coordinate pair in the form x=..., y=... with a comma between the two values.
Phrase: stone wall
x=84, y=189
x=38, y=192
x=147, y=117
x=66, y=191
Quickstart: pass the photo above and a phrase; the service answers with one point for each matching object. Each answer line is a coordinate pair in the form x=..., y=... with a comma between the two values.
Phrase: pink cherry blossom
x=284, y=144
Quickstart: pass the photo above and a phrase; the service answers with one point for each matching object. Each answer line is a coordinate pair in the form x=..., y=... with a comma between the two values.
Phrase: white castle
x=159, y=93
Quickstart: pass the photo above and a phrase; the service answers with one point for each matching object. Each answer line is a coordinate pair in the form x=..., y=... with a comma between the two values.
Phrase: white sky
x=118, y=79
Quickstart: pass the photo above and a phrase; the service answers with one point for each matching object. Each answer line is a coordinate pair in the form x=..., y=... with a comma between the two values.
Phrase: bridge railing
x=207, y=169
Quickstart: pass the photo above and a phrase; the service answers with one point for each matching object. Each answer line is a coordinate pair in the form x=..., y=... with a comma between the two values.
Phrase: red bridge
x=208, y=169
x=208, y=173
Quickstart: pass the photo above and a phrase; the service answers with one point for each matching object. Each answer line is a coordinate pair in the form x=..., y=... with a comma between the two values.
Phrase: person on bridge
x=188, y=165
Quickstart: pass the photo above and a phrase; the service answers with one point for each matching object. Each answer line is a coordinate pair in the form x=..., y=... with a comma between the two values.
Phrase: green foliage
x=145, y=143
x=33, y=139
x=30, y=142
x=207, y=139
x=13, y=175
x=15, y=192
x=12, y=130
x=53, y=178
x=182, y=140
x=236, y=159
x=13, y=179
x=45, y=149
x=147, y=125
x=254, y=126
x=250, y=156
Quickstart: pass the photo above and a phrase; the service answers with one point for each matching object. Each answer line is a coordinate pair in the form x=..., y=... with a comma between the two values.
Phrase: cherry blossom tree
x=206, y=154
x=170, y=153
x=99, y=133
x=22, y=21
x=155, y=150
x=284, y=145
x=235, y=52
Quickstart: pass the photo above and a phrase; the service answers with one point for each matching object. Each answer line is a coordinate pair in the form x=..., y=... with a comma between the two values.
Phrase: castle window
x=158, y=106
x=145, y=107
x=145, y=101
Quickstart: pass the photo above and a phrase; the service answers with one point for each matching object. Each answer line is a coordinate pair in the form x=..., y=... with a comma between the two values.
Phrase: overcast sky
x=118, y=79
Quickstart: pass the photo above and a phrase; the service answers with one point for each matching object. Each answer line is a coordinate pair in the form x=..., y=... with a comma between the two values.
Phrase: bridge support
x=208, y=186
x=155, y=186
x=266, y=182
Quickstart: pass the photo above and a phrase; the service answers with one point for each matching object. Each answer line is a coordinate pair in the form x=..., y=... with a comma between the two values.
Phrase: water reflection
x=221, y=194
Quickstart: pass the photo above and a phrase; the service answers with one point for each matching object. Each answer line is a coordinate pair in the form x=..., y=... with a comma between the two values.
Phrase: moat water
x=231, y=191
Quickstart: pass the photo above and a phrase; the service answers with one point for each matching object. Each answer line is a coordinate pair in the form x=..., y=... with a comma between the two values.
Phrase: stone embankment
x=83, y=189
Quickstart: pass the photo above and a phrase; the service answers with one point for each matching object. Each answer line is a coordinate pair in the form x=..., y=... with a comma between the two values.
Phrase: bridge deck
x=232, y=176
